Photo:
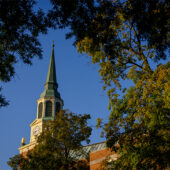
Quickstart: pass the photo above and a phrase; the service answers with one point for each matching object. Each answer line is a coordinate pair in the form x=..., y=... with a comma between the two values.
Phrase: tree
x=20, y=26
x=128, y=39
x=103, y=14
x=140, y=123
x=94, y=22
x=59, y=146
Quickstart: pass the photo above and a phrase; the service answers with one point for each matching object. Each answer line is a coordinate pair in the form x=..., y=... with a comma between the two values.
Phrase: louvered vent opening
x=48, y=112
x=40, y=109
x=57, y=108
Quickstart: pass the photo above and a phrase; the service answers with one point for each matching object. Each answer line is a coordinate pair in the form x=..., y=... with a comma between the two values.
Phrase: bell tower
x=48, y=105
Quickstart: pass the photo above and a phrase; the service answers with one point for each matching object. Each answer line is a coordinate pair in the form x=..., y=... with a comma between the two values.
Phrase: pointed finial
x=22, y=141
x=53, y=44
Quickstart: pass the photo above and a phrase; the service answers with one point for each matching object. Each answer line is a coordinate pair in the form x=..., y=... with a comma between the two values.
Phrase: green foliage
x=125, y=38
x=14, y=162
x=20, y=26
x=115, y=33
x=59, y=146
x=122, y=40
x=19, y=29
x=142, y=13
x=140, y=123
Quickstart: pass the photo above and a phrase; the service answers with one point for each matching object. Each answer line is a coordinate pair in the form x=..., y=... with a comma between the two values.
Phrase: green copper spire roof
x=51, y=77
x=50, y=87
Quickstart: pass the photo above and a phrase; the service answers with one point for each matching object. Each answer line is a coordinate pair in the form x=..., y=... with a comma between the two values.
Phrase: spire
x=51, y=76
x=50, y=87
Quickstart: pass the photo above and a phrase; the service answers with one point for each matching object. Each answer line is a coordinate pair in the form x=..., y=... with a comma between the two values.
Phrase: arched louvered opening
x=48, y=110
x=57, y=107
x=40, y=109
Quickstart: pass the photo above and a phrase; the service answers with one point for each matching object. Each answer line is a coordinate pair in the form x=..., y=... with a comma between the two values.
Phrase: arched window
x=40, y=109
x=48, y=110
x=57, y=107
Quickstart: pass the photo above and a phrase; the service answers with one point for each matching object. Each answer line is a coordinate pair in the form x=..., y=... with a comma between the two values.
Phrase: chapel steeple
x=48, y=105
x=50, y=87
x=50, y=102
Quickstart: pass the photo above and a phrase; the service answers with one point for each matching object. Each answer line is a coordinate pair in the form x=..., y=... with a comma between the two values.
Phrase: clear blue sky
x=79, y=85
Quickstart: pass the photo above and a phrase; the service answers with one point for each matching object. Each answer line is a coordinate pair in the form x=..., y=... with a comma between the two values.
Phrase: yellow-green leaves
x=140, y=121
x=59, y=145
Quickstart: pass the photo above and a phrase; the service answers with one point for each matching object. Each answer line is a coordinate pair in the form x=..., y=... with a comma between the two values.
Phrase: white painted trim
x=111, y=157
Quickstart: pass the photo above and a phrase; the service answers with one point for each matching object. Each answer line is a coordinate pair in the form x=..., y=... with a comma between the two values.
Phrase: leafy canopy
x=59, y=145
x=20, y=26
x=139, y=121
x=127, y=39
x=98, y=28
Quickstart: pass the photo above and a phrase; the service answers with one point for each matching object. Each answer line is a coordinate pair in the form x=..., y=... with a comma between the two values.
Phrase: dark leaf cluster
x=20, y=26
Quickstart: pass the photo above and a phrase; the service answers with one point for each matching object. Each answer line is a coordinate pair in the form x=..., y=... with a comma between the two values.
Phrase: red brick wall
x=97, y=158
